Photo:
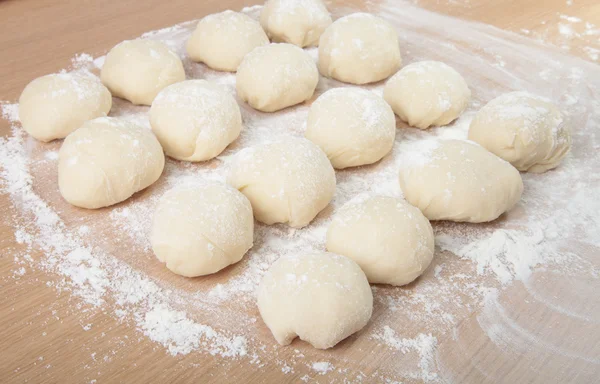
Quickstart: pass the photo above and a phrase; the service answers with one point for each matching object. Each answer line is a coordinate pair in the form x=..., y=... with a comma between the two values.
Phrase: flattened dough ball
x=390, y=239
x=459, y=181
x=288, y=181
x=106, y=161
x=320, y=297
x=198, y=230
x=221, y=40
x=299, y=22
x=359, y=48
x=276, y=76
x=55, y=105
x=427, y=93
x=526, y=130
x=352, y=126
x=136, y=70
x=195, y=120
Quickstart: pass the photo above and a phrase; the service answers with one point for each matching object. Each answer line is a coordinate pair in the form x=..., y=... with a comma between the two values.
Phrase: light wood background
x=41, y=36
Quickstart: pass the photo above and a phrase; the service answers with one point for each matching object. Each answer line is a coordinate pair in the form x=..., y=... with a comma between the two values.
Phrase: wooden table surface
x=40, y=37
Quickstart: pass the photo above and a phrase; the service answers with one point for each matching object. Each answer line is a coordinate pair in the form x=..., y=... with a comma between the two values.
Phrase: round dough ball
x=198, y=230
x=526, y=130
x=390, y=239
x=276, y=76
x=221, y=40
x=53, y=106
x=320, y=297
x=427, y=93
x=106, y=161
x=459, y=181
x=359, y=48
x=136, y=70
x=299, y=22
x=289, y=181
x=352, y=126
x=195, y=120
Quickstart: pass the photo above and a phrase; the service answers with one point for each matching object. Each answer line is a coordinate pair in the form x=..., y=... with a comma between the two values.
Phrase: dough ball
x=275, y=76
x=198, y=230
x=136, y=70
x=427, y=93
x=320, y=297
x=195, y=120
x=53, y=106
x=390, y=239
x=352, y=126
x=359, y=48
x=223, y=39
x=459, y=181
x=289, y=181
x=299, y=22
x=106, y=161
x=526, y=130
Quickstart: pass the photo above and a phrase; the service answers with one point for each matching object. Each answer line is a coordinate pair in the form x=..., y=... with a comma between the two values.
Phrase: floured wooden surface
x=501, y=280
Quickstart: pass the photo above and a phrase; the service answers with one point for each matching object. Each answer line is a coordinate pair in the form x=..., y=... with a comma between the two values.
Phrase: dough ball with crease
x=106, y=161
x=201, y=229
x=427, y=93
x=136, y=70
x=359, y=48
x=55, y=105
x=276, y=76
x=299, y=22
x=352, y=126
x=524, y=129
x=320, y=297
x=195, y=120
x=390, y=239
x=221, y=40
x=287, y=181
x=458, y=181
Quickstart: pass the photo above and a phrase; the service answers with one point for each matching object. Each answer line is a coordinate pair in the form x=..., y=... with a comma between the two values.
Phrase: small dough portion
x=298, y=22
x=200, y=229
x=55, y=105
x=352, y=126
x=427, y=93
x=359, y=48
x=221, y=40
x=276, y=76
x=136, y=70
x=526, y=130
x=320, y=297
x=458, y=181
x=195, y=120
x=106, y=161
x=288, y=181
x=390, y=239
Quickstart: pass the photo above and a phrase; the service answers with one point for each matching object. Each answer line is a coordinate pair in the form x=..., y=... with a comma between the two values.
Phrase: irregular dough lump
x=390, y=239
x=201, y=229
x=289, y=181
x=276, y=76
x=55, y=105
x=299, y=22
x=459, y=181
x=195, y=120
x=427, y=93
x=320, y=297
x=136, y=70
x=106, y=161
x=221, y=40
x=359, y=48
x=526, y=130
x=352, y=126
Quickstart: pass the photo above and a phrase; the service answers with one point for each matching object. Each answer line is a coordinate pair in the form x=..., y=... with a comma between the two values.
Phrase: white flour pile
x=554, y=228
